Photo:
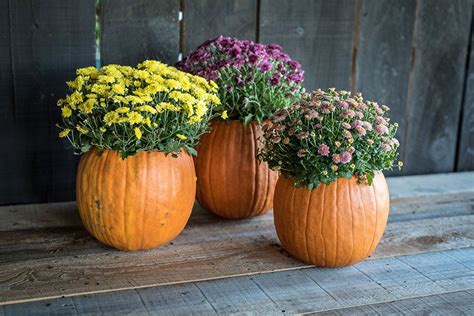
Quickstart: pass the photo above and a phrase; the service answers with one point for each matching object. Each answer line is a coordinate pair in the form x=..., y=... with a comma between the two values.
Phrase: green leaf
x=85, y=148
x=248, y=119
x=191, y=150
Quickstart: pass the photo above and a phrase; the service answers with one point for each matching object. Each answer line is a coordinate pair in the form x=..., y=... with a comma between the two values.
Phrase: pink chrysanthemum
x=323, y=150
x=346, y=157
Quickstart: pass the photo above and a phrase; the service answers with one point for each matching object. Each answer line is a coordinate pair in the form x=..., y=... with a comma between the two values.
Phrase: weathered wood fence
x=414, y=55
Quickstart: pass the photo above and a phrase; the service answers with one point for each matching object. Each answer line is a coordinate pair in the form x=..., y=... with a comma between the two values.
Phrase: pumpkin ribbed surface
x=141, y=202
x=232, y=182
x=331, y=226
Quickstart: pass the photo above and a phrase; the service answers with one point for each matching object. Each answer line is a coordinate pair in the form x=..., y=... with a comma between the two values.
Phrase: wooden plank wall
x=42, y=43
x=414, y=55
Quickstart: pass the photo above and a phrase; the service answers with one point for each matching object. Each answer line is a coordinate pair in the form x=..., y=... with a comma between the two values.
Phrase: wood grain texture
x=436, y=85
x=384, y=53
x=317, y=33
x=8, y=151
x=445, y=274
x=133, y=31
x=56, y=261
x=49, y=40
x=455, y=303
x=466, y=138
x=203, y=20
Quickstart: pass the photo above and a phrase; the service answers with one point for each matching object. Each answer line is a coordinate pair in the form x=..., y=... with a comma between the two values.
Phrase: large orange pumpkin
x=331, y=226
x=141, y=202
x=232, y=182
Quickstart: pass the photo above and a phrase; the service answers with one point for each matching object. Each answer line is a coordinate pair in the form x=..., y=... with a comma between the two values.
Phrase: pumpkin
x=141, y=202
x=232, y=182
x=332, y=225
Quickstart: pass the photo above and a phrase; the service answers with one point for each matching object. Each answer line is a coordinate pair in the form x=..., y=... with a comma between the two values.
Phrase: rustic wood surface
x=384, y=54
x=454, y=303
x=138, y=30
x=441, y=34
x=203, y=20
x=317, y=33
x=428, y=279
x=41, y=260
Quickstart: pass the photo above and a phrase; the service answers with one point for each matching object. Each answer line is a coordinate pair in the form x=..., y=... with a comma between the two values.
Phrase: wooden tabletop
x=425, y=263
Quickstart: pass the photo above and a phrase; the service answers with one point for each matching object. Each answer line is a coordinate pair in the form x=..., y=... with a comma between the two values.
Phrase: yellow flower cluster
x=137, y=97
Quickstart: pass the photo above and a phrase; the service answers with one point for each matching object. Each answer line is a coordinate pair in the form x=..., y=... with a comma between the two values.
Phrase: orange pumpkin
x=141, y=202
x=232, y=182
x=331, y=226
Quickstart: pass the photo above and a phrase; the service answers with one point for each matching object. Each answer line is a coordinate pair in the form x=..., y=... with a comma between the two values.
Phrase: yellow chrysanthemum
x=141, y=74
x=214, y=99
x=134, y=118
x=148, y=121
x=88, y=71
x=82, y=129
x=166, y=106
x=138, y=133
x=224, y=115
x=133, y=99
x=181, y=136
x=87, y=106
x=118, y=88
x=122, y=109
x=173, y=84
x=111, y=117
x=75, y=98
x=64, y=132
x=100, y=89
x=145, y=108
x=66, y=112
x=76, y=83
x=201, y=108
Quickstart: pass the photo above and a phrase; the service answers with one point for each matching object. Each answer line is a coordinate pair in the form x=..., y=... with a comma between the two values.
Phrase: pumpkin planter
x=141, y=202
x=232, y=182
x=144, y=121
x=332, y=225
x=331, y=201
x=254, y=81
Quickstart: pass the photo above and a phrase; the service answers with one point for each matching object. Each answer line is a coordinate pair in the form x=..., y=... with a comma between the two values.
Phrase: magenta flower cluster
x=213, y=56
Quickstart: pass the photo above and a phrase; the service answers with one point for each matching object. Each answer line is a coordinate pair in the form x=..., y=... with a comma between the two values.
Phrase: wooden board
x=465, y=153
x=49, y=40
x=392, y=281
x=203, y=20
x=383, y=55
x=455, y=303
x=8, y=152
x=49, y=260
x=133, y=31
x=441, y=39
x=317, y=33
